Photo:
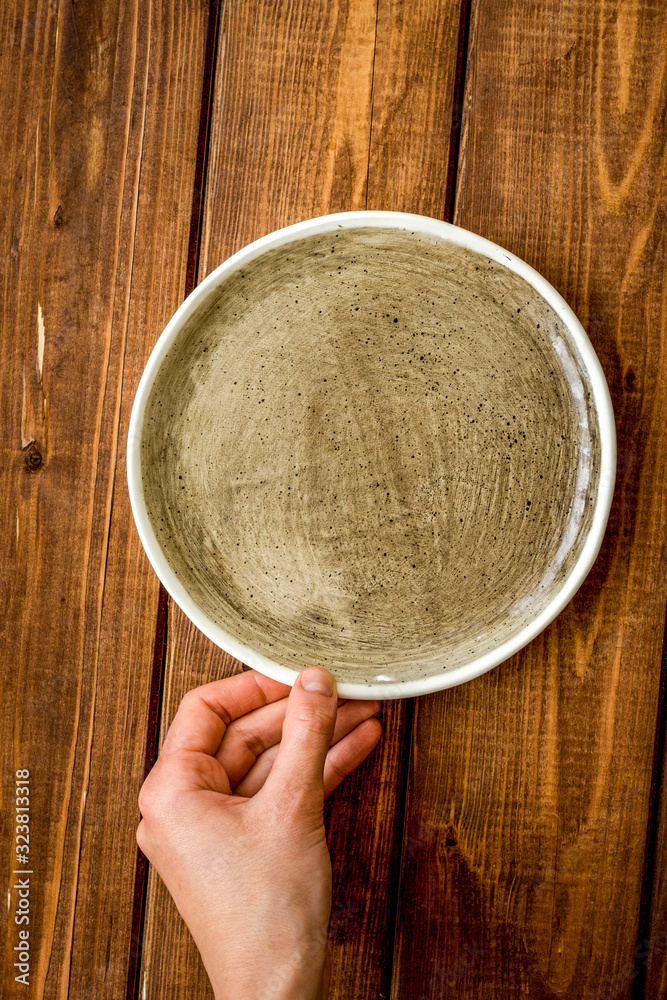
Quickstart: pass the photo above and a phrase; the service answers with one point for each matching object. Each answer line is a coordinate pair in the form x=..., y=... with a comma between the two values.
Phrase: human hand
x=233, y=823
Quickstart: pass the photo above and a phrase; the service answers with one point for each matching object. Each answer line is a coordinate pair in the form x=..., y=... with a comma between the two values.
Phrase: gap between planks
x=162, y=619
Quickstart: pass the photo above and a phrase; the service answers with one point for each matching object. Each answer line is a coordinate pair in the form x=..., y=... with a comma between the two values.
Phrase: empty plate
x=374, y=442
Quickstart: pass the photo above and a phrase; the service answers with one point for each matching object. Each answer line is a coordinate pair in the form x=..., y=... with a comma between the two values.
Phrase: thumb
x=310, y=717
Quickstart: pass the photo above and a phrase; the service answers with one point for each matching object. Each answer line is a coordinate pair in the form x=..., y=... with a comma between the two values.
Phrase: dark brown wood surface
x=99, y=136
x=507, y=838
x=529, y=788
x=320, y=64
x=288, y=140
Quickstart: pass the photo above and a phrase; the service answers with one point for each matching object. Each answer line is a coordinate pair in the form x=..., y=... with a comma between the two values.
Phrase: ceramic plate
x=374, y=442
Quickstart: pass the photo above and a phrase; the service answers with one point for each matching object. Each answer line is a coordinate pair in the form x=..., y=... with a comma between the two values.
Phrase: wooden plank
x=304, y=71
x=413, y=92
x=413, y=89
x=99, y=137
x=651, y=950
x=291, y=118
x=529, y=787
x=289, y=140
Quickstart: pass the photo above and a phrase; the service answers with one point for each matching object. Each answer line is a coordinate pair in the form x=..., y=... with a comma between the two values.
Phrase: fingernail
x=317, y=680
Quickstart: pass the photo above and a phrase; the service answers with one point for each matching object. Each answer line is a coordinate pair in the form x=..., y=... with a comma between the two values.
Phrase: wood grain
x=528, y=858
x=651, y=951
x=289, y=139
x=413, y=86
x=291, y=119
x=99, y=137
x=529, y=788
x=413, y=91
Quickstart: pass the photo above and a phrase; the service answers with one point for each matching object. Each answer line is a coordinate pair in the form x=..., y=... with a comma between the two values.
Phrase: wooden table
x=507, y=837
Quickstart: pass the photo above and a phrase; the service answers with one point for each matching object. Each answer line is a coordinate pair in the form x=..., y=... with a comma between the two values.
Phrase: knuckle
x=337, y=770
x=315, y=720
x=146, y=797
x=254, y=743
x=149, y=841
x=142, y=838
x=190, y=697
x=153, y=798
x=241, y=731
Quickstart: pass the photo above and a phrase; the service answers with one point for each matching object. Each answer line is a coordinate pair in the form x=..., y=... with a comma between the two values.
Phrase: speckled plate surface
x=374, y=442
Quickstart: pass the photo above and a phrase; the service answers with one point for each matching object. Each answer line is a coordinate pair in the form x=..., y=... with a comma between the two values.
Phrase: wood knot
x=33, y=457
x=58, y=219
x=451, y=836
x=629, y=378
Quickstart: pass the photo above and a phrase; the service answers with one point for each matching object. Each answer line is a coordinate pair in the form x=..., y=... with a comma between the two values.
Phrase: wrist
x=292, y=978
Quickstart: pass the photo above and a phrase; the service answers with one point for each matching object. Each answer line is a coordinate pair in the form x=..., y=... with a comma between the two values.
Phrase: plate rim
x=602, y=403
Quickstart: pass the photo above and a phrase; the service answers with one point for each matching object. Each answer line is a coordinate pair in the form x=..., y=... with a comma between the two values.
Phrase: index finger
x=206, y=711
